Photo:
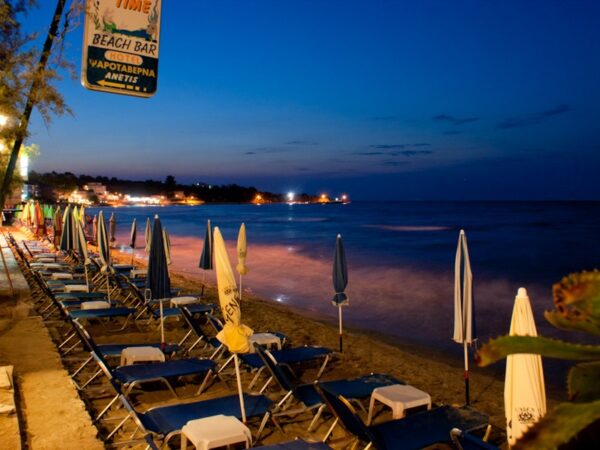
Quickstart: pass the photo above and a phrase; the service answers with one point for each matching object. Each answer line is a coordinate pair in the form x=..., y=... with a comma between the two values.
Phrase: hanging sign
x=120, y=46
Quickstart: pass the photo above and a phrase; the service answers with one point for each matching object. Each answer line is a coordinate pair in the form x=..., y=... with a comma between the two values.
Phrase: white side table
x=61, y=276
x=399, y=397
x=183, y=300
x=75, y=288
x=138, y=273
x=215, y=431
x=95, y=304
x=132, y=355
x=267, y=339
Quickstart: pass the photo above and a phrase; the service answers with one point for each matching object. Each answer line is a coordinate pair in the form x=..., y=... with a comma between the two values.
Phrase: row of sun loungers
x=77, y=299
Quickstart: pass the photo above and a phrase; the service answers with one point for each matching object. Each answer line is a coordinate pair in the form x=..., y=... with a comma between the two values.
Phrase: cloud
x=302, y=169
x=388, y=146
x=452, y=132
x=454, y=120
x=533, y=119
x=250, y=153
x=371, y=153
x=301, y=143
x=394, y=163
x=267, y=150
x=398, y=153
x=415, y=152
x=421, y=144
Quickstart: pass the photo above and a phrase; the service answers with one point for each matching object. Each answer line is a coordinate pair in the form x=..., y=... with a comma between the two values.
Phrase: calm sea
x=400, y=257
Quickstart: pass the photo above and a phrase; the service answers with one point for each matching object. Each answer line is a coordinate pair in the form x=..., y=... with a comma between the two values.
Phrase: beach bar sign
x=120, y=46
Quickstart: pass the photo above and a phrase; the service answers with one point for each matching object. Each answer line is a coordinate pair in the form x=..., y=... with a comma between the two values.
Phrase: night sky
x=379, y=99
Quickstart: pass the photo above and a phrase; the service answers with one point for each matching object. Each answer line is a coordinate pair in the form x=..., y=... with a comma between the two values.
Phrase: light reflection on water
x=400, y=257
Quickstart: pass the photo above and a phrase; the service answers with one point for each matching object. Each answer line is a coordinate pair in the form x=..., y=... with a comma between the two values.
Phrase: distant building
x=97, y=188
x=29, y=191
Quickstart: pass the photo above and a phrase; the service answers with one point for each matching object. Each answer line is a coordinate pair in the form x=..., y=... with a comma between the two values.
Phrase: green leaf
x=583, y=382
x=560, y=321
x=560, y=426
x=503, y=346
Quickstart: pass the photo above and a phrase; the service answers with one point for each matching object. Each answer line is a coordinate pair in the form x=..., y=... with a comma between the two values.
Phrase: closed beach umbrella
x=148, y=235
x=95, y=229
x=206, y=258
x=524, y=389
x=133, y=235
x=464, y=307
x=167, y=244
x=132, y=238
x=112, y=227
x=104, y=251
x=57, y=226
x=340, y=281
x=66, y=236
x=82, y=244
x=40, y=223
x=234, y=334
x=158, y=284
x=82, y=214
x=242, y=252
x=25, y=214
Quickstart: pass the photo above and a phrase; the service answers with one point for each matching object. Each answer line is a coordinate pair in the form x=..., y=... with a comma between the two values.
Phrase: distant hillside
x=226, y=193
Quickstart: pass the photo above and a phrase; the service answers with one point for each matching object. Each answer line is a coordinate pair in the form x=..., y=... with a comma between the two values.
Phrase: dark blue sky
x=381, y=99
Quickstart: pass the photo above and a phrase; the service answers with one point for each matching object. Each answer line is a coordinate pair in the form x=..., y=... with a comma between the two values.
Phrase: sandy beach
x=364, y=353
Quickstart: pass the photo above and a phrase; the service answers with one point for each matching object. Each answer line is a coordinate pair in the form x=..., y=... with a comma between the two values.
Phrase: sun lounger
x=306, y=395
x=411, y=433
x=288, y=357
x=164, y=422
x=128, y=377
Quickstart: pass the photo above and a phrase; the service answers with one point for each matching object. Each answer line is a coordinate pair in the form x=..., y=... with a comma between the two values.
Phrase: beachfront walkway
x=52, y=415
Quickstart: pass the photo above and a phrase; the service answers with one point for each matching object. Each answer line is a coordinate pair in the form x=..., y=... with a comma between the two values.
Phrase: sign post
x=120, y=46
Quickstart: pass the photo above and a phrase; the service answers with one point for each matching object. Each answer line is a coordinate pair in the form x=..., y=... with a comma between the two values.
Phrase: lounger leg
x=85, y=363
x=226, y=363
x=205, y=381
x=265, y=385
x=185, y=337
x=118, y=427
x=91, y=379
x=317, y=416
x=331, y=428
x=71, y=336
x=323, y=367
x=262, y=426
x=106, y=408
x=255, y=379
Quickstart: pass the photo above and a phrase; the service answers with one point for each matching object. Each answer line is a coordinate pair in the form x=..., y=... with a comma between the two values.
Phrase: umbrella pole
x=341, y=332
x=132, y=255
x=240, y=286
x=162, y=325
x=239, y=385
x=107, y=288
x=87, y=281
x=467, y=399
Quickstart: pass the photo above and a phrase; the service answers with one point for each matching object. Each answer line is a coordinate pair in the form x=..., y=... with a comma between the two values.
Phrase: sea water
x=400, y=257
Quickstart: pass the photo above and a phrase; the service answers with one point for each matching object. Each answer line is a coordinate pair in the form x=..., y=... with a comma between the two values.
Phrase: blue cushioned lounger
x=410, y=433
x=167, y=421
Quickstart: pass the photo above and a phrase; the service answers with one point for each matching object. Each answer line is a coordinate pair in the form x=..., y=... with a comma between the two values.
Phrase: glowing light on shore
x=290, y=196
x=3, y=120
